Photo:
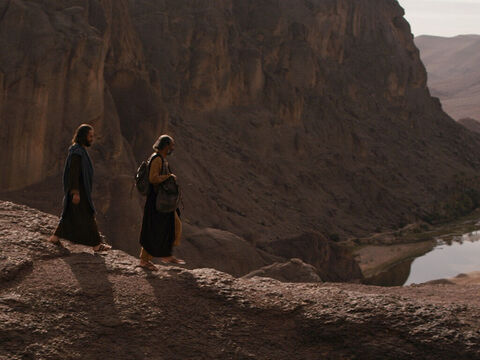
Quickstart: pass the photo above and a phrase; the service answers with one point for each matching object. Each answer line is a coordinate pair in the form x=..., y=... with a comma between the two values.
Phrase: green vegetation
x=459, y=200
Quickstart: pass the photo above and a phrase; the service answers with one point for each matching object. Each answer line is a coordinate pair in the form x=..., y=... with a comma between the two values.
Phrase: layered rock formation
x=68, y=303
x=453, y=74
x=290, y=118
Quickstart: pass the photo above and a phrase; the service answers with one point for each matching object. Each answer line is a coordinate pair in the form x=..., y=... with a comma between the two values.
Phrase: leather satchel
x=168, y=194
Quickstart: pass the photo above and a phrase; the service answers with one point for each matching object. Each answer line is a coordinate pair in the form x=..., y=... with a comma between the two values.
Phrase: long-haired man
x=77, y=222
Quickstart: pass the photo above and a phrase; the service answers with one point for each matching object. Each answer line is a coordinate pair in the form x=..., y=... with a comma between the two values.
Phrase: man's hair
x=162, y=142
x=80, y=136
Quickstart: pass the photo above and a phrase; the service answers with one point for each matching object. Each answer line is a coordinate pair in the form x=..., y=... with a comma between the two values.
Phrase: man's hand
x=76, y=198
x=174, y=177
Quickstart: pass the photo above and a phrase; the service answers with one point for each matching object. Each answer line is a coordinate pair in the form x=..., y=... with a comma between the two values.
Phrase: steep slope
x=312, y=118
x=315, y=119
x=453, y=72
x=67, y=303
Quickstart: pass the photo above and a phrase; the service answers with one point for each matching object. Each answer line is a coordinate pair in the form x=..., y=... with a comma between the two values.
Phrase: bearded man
x=77, y=222
x=160, y=230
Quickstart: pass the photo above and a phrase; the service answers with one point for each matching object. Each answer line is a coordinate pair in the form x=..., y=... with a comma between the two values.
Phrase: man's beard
x=88, y=144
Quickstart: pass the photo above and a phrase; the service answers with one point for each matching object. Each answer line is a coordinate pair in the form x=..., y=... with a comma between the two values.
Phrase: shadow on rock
x=99, y=311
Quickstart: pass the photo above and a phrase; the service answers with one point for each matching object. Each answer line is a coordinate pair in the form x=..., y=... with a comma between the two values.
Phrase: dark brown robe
x=158, y=229
x=78, y=222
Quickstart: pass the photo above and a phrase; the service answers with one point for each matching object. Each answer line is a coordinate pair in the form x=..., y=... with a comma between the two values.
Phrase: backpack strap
x=153, y=156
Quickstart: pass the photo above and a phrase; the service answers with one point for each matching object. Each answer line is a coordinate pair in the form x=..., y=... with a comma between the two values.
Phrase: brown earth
x=313, y=118
x=68, y=303
x=453, y=72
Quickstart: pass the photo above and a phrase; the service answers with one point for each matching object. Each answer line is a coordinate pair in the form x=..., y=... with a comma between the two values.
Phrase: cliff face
x=296, y=118
x=53, y=63
x=55, y=59
x=289, y=118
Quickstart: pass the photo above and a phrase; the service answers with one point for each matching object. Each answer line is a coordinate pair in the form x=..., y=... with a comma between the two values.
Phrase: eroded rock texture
x=55, y=59
x=289, y=116
x=68, y=303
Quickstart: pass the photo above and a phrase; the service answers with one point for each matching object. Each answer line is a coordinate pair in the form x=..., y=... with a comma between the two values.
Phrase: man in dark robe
x=77, y=223
x=160, y=230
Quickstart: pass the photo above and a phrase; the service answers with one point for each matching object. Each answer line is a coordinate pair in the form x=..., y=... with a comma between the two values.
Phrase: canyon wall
x=290, y=117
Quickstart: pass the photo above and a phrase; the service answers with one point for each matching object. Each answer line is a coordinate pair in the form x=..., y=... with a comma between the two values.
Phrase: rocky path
x=68, y=303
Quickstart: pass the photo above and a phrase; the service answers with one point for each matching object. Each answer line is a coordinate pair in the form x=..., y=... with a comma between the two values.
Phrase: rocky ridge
x=66, y=302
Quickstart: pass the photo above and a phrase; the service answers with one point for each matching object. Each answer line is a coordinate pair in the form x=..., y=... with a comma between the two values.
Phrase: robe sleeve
x=75, y=173
x=155, y=176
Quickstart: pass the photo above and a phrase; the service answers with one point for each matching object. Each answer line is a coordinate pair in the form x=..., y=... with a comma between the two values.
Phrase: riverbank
x=376, y=259
x=385, y=258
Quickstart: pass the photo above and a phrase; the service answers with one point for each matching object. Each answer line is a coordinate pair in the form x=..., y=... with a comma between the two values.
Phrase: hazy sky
x=442, y=17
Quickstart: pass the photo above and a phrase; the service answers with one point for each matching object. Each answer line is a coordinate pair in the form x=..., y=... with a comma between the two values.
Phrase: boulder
x=221, y=250
x=332, y=261
x=295, y=271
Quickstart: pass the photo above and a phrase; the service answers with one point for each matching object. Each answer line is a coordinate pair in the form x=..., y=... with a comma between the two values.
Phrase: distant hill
x=471, y=124
x=453, y=72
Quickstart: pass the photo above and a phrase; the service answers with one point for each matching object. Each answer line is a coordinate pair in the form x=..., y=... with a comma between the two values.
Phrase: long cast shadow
x=107, y=332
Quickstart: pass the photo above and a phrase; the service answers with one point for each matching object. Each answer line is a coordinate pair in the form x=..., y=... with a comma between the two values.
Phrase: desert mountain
x=471, y=124
x=68, y=303
x=453, y=72
x=291, y=118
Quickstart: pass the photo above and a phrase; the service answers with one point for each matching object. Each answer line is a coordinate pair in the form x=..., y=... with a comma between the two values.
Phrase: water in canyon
x=448, y=256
